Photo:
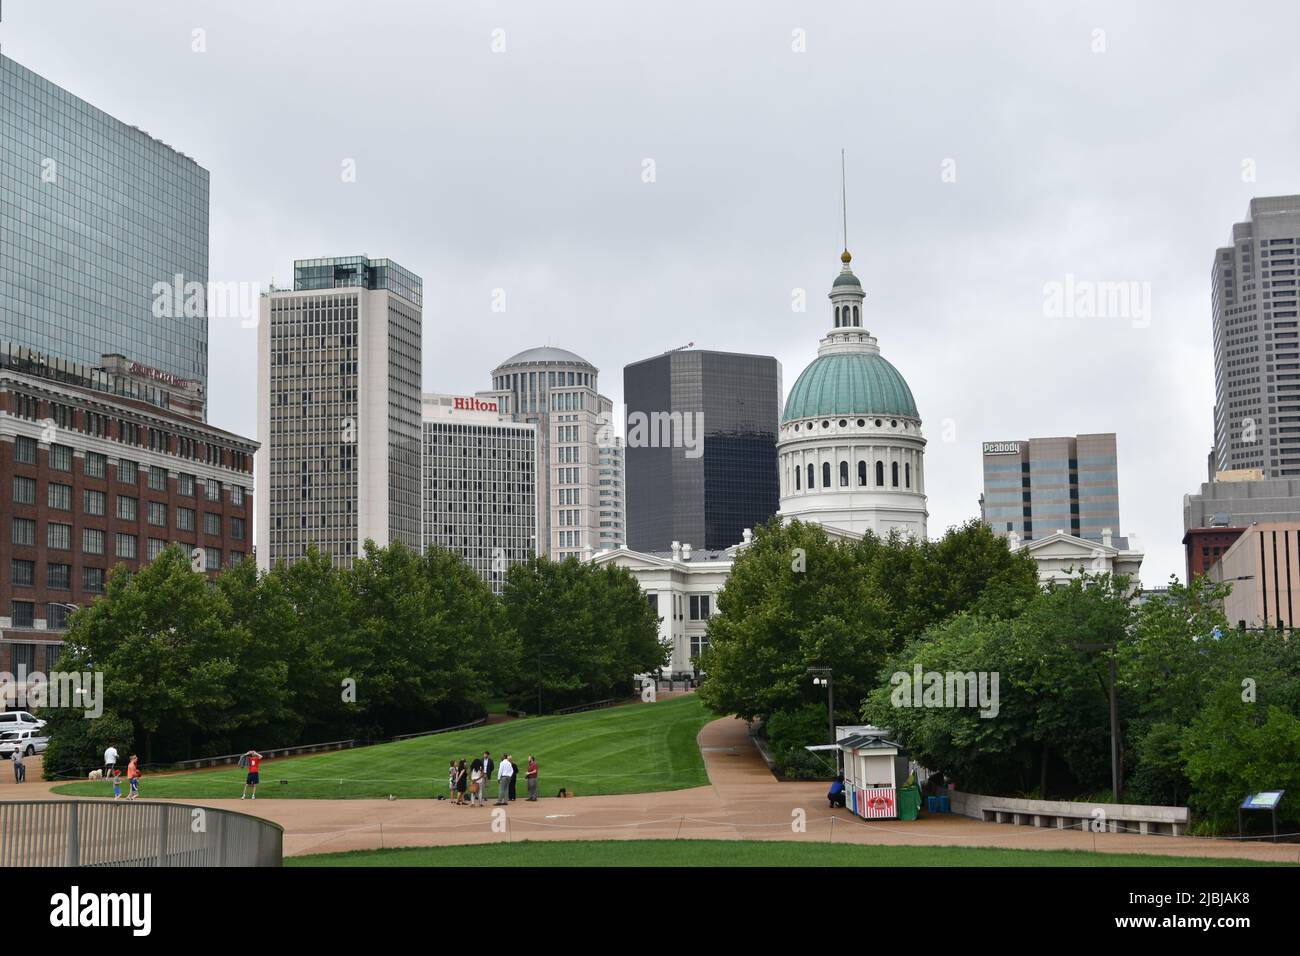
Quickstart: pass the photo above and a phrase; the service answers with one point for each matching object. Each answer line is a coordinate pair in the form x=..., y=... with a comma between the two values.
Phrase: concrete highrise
x=556, y=390
x=478, y=484
x=339, y=410
x=1257, y=342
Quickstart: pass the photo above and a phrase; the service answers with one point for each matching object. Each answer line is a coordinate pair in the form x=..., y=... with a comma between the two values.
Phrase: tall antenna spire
x=844, y=207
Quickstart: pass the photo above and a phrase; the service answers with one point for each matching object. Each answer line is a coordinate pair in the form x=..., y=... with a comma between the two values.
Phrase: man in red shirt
x=254, y=761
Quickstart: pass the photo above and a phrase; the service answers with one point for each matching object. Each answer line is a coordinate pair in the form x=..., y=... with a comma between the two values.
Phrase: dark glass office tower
x=701, y=435
x=95, y=216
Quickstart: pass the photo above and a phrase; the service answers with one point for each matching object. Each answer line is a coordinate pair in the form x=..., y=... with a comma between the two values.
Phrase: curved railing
x=133, y=833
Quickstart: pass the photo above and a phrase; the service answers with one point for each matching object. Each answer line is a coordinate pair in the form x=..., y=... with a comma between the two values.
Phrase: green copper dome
x=846, y=278
x=850, y=383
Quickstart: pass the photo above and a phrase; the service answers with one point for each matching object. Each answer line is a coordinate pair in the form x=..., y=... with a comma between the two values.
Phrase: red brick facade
x=1205, y=546
x=57, y=424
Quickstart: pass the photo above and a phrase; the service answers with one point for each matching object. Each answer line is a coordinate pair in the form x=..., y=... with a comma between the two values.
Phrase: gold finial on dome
x=845, y=257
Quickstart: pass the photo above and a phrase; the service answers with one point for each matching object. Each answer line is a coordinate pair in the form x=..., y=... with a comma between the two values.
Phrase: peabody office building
x=478, y=484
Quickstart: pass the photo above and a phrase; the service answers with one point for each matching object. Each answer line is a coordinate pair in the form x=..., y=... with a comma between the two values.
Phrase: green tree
x=582, y=630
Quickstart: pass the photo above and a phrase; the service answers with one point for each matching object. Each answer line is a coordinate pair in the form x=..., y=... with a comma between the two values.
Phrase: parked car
x=19, y=720
x=32, y=742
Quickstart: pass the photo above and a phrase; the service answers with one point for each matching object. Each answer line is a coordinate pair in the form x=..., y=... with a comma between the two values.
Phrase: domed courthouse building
x=851, y=452
x=851, y=457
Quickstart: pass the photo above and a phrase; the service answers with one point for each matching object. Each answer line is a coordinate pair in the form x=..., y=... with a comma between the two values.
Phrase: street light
x=822, y=678
x=1115, y=782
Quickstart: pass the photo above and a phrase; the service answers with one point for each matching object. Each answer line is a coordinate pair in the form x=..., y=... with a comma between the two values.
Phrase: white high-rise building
x=556, y=390
x=339, y=410
x=478, y=484
x=613, y=501
x=1257, y=342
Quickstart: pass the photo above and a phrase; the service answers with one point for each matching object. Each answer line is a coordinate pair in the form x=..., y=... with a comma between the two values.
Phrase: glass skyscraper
x=93, y=215
x=700, y=457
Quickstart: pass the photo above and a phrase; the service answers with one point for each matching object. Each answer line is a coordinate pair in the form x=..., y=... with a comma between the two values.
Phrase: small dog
x=96, y=775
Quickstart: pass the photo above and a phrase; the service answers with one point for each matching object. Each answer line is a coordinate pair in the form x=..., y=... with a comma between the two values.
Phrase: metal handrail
x=146, y=833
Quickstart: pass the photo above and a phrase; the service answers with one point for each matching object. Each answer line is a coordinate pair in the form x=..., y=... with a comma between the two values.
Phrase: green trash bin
x=909, y=803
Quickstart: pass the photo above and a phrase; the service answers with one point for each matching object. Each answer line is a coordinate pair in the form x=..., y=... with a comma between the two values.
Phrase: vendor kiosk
x=874, y=770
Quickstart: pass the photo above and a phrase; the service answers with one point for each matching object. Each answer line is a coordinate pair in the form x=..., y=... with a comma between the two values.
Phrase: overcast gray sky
x=1114, y=142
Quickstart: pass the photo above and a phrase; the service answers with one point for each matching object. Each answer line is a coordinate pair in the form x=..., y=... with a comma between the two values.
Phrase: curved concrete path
x=742, y=802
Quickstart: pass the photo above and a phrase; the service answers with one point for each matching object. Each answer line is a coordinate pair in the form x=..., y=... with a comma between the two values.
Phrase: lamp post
x=1116, y=782
x=822, y=678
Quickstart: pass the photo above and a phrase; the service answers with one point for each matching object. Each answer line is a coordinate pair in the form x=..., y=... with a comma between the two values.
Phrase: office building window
x=127, y=471
x=212, y=524
x=92, y=580
x=24, y=531
x=59, y=497
x=23, y=573
x=157, y=478
x=93, y=502
x=157, y=514
x=25, y=450
x=126, y=545
x=185, y=519
x=24, y=614
x=24, y=490
x=92, y=541
x=58, y=536
x=96, y=465
x=58, y=577
x=61, y=457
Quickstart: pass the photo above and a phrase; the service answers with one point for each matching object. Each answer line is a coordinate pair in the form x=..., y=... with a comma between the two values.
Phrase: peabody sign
x=1002, y=448
x=475, y=405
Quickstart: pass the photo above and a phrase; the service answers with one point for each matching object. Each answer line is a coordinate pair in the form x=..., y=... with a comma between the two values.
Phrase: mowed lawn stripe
x=634, y=748
x=711, y=853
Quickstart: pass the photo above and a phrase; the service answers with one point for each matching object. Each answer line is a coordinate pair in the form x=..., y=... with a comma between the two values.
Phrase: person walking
x=462, y=782
x=504, y=773
x=253, y=760
x=477, y=783
x=133, y=774
x=20, y=768
x=532, y=778
x=110, y=761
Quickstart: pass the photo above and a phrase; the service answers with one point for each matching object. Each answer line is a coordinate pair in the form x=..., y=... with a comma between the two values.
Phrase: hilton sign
x=474, y=405
x=1002, y=448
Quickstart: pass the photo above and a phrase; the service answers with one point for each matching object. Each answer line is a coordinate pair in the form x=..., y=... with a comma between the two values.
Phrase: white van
x=31, y=742
x=19, y=720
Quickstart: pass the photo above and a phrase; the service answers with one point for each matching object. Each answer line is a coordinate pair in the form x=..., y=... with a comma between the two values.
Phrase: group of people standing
x=468, y=785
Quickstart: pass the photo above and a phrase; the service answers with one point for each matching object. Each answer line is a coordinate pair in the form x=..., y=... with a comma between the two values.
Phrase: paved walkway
x=742, y=802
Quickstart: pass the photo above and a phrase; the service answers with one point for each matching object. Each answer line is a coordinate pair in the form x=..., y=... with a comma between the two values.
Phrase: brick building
x=100, y=467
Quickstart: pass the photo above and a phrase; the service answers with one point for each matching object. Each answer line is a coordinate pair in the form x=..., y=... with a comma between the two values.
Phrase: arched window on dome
x=880, y=474
x=826, y=474
x=856, y=320
x=907, y=474
x=812, y=480
x=893, y=468
x=862, y=473
x=837, y=316
x=844, y=474
x=797, y=485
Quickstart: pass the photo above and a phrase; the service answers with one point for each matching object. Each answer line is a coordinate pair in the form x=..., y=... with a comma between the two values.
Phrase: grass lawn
x=630, y=749
x=552, y=853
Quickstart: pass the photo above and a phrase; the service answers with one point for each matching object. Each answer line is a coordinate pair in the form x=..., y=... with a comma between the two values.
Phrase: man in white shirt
x=503, y=780
x=110, y=762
